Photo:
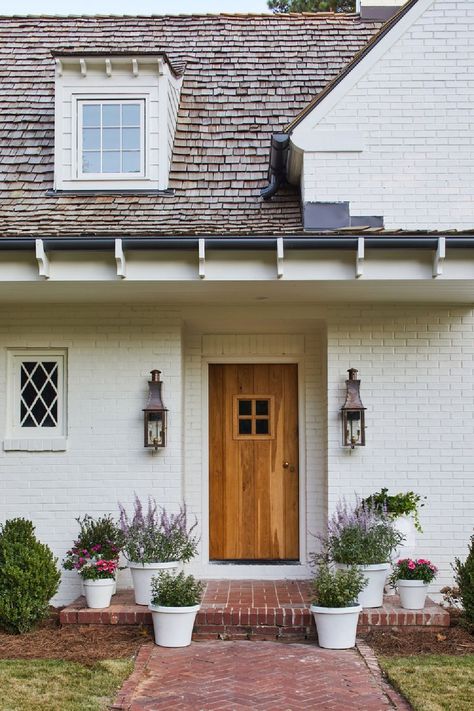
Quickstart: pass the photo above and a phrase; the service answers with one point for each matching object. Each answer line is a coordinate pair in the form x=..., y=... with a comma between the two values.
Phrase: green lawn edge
x=433, y=682
x=57, y=685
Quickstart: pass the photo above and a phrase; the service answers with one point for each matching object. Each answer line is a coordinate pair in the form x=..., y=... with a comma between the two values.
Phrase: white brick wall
x=416, y=365
x=414, y=109
x=110, y=353
x=417, y=369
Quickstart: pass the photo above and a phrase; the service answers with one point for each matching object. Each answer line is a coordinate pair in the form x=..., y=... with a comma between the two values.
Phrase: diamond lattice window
x=39, y=393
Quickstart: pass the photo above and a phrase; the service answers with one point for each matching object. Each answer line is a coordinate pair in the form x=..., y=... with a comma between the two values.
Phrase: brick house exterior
x=362, y=258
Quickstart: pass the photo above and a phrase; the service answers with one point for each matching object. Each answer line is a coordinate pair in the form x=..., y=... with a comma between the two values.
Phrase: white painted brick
x=414, y=108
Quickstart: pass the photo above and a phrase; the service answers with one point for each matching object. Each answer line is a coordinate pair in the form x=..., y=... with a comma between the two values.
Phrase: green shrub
x=28, y=577
x=176, y=590
x=464, y=576
x=337, y=588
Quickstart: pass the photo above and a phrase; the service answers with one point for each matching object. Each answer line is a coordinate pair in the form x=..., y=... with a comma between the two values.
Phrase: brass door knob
x=286, y=465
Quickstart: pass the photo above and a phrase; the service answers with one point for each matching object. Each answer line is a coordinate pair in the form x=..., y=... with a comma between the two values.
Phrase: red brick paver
x=231, y=676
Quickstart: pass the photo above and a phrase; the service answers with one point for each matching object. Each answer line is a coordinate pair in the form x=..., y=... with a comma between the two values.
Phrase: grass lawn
x=433, y=682
x=54, y=685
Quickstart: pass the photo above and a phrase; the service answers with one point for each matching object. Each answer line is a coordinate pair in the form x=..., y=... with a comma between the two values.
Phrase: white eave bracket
x=120, y=259
x=280, y=258
x=360, y=257
x=439, y=258
x=42, y=259
x=202, y=258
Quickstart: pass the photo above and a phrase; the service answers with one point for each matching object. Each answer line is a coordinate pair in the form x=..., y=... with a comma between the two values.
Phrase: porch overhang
x=297, y=268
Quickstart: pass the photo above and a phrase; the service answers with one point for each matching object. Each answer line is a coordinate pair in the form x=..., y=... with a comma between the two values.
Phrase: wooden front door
x=253, y=422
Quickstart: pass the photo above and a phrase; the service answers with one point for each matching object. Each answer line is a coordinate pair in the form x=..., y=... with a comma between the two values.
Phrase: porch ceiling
x=231, y=293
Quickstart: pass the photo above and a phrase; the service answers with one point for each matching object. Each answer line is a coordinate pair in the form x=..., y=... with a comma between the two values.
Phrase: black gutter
x=264, y=242
x=277, y=166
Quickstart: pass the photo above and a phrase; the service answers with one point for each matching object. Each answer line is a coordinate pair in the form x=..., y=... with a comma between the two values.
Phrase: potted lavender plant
x=155, y=541
x=364, y=536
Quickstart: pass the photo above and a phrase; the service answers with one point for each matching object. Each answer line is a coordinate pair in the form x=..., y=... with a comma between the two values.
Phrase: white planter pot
x=98, y=592
x=372, y=594
x=83, y=591
x=336, y=626
x=412, y=593
x=406, y=526
x=142, y=573
x=173, y=626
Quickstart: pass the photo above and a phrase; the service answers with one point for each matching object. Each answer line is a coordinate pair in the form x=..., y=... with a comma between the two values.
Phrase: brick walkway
x=268, y=676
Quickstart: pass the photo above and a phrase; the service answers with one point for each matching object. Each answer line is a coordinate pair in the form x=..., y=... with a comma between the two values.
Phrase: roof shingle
x=245, y=77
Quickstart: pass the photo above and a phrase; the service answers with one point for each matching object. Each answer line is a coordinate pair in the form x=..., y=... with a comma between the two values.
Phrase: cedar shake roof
x=244, y=78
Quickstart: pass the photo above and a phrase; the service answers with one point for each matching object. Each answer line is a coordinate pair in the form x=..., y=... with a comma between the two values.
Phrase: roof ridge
x=265, y=15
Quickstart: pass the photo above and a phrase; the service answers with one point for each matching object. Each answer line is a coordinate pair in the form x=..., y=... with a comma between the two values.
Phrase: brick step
x=256, y=610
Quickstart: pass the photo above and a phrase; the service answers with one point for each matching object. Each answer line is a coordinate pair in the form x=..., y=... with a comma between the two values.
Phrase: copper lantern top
x=155, y=403
x=353, y=401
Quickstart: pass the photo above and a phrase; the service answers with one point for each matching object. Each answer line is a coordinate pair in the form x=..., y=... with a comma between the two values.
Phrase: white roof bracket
x=59, y=67
x=42, y=259
x=108, y=67
x=202, y=258
x=280, y=257
x=83, y=65
x=120, y=259
x=360, y=257
x=135, y=70
x=160, y=66
x=439, y=258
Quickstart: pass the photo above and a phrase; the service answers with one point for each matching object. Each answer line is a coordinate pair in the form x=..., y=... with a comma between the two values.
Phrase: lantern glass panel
x=155, y=429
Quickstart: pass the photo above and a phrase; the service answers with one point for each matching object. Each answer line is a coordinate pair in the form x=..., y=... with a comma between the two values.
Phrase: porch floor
x=254, y=609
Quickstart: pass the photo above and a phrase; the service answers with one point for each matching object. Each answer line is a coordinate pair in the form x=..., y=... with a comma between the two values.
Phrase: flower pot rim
x=336, y=610
x=100, y=582
x=369, y=567
x=405, y=582
x=149, y=566
x=174, y=610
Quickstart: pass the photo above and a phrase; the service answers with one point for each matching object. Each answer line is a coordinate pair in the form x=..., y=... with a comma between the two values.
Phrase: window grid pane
x=114, y=146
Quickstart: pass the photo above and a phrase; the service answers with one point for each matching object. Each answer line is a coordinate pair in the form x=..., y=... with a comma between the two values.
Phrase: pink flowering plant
x=153, y=535
x=99, y=569
x=408, y=569
x=99, y=540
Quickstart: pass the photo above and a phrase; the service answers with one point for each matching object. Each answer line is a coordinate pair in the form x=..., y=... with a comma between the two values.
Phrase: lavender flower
x=156, y=535
x=358, y=535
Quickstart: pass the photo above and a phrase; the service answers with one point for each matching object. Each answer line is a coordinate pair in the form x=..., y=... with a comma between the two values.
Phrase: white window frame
x=117, y=100
x=35, y=438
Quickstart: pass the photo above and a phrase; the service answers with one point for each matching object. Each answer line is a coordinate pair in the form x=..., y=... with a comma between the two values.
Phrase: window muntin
x=111, y=141
x=37, y=397
x=253, y=417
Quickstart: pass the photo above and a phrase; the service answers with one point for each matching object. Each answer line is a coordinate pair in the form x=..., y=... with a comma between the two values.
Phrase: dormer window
x=111, y=138
x=115, y=122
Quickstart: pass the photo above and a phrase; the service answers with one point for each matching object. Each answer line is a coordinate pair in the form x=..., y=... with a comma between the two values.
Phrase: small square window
x=253, y=417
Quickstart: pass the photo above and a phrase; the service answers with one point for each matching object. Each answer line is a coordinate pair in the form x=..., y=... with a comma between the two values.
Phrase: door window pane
x=245, y=427
x=245, y=407
x=261, y=427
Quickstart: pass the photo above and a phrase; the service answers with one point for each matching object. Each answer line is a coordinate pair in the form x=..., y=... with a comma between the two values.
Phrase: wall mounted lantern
x=353, y=414
x=155, y=414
